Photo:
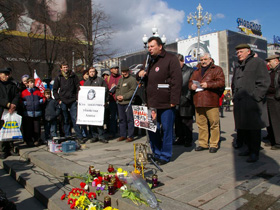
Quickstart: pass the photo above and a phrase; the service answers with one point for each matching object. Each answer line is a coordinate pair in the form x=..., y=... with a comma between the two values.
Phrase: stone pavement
x=192, y=180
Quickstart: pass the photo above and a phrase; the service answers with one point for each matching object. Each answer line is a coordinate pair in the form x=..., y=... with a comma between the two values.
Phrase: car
x=135, y=68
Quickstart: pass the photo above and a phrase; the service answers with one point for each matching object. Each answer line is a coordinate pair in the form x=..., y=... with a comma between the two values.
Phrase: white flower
x=86, y=187
x=99, y=185
x=123, y=187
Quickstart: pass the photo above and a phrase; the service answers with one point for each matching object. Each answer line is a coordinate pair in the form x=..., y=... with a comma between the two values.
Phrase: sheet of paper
x=199, y=88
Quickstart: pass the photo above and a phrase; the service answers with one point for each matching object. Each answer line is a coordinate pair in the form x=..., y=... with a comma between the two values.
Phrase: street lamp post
x=199, y=17
x=155, y=33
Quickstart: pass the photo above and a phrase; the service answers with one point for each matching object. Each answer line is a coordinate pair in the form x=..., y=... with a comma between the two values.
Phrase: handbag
x=11, y=128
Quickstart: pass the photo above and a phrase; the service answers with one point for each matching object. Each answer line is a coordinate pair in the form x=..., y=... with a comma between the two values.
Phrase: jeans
x=97, y=132
x=126, y=121
x=161, y=141
x=50, y=129
x=70, y=111
x=113, y=118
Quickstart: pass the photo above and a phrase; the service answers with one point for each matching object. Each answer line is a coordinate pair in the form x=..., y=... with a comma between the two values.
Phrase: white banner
x=91, y=102
x=145, y=117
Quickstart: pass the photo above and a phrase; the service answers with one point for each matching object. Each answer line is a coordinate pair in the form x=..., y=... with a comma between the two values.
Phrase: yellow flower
x=108, y=208
x=91, y=207
x=120, y=170
x=125, y=173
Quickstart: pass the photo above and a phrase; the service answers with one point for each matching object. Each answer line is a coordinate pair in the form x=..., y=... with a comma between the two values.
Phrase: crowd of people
x=176, y=91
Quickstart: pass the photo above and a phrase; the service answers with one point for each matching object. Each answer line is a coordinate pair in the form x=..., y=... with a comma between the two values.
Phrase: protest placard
x=145, y=117
x=91, y=102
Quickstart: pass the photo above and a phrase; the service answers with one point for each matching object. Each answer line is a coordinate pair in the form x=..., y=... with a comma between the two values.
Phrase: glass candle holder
x=111, y=189
x=154, y=180
x=97, y=172
x=111, y=168
x=107, y=201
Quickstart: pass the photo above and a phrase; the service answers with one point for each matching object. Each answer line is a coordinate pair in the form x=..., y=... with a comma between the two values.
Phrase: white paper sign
x=91, y=102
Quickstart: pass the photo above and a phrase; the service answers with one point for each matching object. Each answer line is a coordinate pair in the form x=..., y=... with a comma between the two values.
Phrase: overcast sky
x=134, y=18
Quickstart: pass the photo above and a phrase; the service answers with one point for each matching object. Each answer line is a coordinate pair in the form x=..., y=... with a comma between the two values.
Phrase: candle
x=107, y=201
x=111, y=189
x=155, y=180
x=111, y=168
x=97, y=172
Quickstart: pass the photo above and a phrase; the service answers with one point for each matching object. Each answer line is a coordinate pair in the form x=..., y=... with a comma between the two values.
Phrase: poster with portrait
x=91, y=102
x=145, y=117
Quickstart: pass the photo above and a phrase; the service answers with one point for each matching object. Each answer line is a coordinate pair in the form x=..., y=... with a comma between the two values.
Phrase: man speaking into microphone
x=163, y=83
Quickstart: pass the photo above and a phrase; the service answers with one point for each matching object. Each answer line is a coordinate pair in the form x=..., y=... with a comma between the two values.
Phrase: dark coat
x=66, y=90
x=163, y=70
x=8, y=94
x=249, y=86
x=186, y=106
x=98, y=82
x=51, y=109
x=215, y=79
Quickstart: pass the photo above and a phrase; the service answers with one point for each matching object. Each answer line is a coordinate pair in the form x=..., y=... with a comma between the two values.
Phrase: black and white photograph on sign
x=91, y=101
x=145, y=117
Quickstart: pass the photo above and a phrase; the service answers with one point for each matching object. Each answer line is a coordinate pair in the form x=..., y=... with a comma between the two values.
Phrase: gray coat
x=250, y=83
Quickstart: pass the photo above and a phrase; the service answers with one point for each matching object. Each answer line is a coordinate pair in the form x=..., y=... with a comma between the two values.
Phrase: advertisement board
x=208, y=43
x=38, y=34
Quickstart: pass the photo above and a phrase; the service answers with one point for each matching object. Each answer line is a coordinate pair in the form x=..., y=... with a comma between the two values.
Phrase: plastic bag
x=11, y=128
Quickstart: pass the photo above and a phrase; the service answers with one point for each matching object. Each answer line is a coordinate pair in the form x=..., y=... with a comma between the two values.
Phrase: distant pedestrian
x=273, y=101
x=249, y=86
x=228, y=99
x=125, y=89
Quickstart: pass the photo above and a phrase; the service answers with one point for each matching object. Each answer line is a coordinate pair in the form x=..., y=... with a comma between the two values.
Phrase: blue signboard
x=276, y=39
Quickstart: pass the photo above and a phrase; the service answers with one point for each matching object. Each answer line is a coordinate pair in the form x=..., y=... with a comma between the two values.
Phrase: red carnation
x=119, y=184
x=82, y=184
x=72, y=205
x=62, y=197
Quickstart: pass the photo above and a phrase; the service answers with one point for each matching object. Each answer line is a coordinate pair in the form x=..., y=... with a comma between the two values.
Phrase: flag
x=38, y=82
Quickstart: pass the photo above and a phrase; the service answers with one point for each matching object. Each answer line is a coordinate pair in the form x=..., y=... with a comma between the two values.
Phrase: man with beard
x=250, y=83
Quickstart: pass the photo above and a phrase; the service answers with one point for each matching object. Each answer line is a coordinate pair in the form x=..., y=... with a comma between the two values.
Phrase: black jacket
x=8, y=94
x=51, y=109
x=66, y=90
x=186, y=107
x=98, y=82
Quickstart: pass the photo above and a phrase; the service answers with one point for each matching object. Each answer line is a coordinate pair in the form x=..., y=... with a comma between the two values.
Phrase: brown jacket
x=215, y=79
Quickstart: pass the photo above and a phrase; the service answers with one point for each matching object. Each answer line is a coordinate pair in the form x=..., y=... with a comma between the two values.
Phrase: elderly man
x=273, y=101
x=163, y=82
x=207, y=82
x=250, y=83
